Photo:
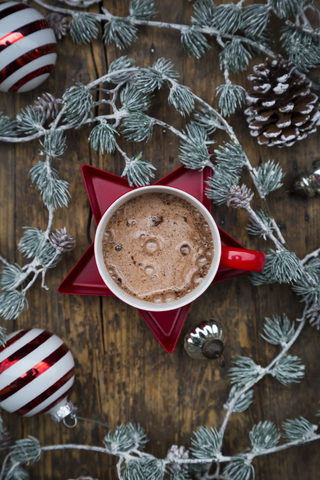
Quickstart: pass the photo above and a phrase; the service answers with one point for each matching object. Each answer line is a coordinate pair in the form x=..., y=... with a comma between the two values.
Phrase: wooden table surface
x=122, y=372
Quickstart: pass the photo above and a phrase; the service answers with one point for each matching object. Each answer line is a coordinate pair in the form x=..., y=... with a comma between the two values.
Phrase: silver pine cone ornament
x=59, y=24
x=47, y=105
x=61, y=240
x=206, y=341
x=308, y=182
x=282, y=108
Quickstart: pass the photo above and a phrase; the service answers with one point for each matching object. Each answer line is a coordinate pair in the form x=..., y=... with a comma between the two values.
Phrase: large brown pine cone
x=282, y=108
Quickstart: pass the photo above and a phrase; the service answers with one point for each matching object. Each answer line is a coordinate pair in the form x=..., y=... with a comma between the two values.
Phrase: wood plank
x=122, y=372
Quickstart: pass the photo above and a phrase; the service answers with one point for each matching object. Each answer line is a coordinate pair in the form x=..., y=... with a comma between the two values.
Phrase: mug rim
x=142, y=304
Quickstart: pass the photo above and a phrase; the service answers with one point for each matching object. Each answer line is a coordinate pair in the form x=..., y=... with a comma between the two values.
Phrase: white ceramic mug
x=230, y=256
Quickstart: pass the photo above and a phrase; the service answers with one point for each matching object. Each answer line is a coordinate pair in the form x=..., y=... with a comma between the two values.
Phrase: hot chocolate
x=157, y=247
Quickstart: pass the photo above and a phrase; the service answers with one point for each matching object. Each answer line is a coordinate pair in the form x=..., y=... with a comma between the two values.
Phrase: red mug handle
x=242, y=259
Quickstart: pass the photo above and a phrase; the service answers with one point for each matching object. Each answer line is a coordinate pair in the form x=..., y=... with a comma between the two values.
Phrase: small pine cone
x=59, y=24
x=61, y=240
x=47, y=105
x=282, y=108
x=240, y=197
x=177, y=453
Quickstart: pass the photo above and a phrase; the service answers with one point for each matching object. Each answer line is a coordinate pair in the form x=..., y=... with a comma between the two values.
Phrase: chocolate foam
x=157, y=247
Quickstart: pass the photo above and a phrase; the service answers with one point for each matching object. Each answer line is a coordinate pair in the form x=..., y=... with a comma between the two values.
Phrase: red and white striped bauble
x=27, y=47
x=36, y=374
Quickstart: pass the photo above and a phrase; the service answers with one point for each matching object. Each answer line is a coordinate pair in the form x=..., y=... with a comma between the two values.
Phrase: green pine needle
x=138, y=172
x=194, y=43
x=282, y=266
x=234, y=56
x=181, y=98
x=29, y=121
x=286, y=8
x=278, y=330
x=203, y=13
x=299, y=429
x=152, y=78
x=255, y=19
x=264, y=435
x=269, y=176
x=137, y=127
x=78, y=102
x=242, y=403
x=7, y=126
x=245, y=371
x=10, y=276
x=255, y=228
x=119, y=31
x=116, y=69
x=84, y=27
x=240, y=469
x=206, y=119
x=227, y=18
x=231, y=98
x=12, y=304
x=194, y=151
x=31, y=242
x=288, y=369
x=102, y=138
x=207, y=443
x=54, y=144
x=143, y=9
x=27, y=450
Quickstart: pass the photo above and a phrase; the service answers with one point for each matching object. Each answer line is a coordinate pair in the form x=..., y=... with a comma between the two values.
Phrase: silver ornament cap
x=206, y=341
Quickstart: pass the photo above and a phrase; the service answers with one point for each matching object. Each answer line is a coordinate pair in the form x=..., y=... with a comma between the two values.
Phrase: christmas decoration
x=36, y=374
x=133, y=89
x=308, y=183
x=59, y=24
x=206, y=341
x=240, y=30
x=62, y=241
x=27, y=48
x=282, y=108
x=47, y=106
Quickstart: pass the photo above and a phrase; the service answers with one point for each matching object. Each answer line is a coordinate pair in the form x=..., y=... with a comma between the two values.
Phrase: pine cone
x=59, y=24
x=61, y=240
x=177, y=453
x=282, y=108
x=47, y=105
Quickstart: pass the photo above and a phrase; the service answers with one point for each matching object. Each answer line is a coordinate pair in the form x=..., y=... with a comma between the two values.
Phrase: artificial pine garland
x=132, y=87
x=241, y=31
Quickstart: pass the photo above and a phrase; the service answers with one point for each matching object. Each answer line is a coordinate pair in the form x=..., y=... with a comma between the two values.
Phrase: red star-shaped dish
x=103, y=189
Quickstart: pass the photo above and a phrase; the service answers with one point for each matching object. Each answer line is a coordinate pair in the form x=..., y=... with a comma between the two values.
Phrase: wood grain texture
x=122, y=372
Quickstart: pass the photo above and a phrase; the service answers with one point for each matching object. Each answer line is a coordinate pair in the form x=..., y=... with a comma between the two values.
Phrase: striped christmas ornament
x=27, y=48
x=36, y=374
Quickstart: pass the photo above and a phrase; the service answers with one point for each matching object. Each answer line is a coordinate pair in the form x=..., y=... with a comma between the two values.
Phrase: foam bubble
x=196, y=213
x=108, y=236
x=184, y=250
x=111, y=270
x=208, y=253
x=196, y=278
x=120, y=211
x=151, y=245
x=205, y=228
x=149, y=270
x=154, y=278
x=157, y=298
x=169, y=297
x=202, y=261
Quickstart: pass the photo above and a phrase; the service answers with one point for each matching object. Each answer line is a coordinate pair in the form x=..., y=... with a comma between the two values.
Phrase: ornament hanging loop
x=70, y=425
